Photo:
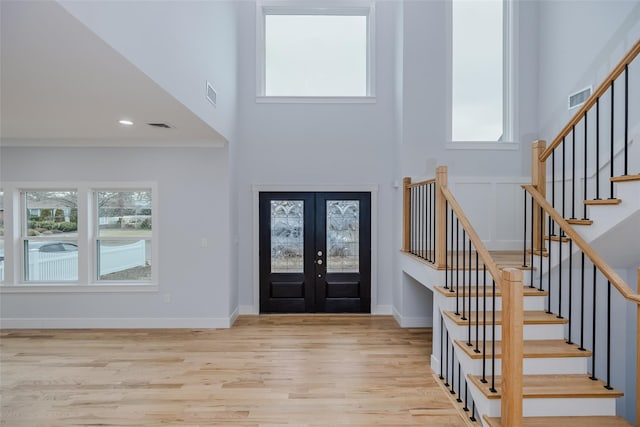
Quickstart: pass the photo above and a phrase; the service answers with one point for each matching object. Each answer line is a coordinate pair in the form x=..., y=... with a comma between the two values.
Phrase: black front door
x=315, y=252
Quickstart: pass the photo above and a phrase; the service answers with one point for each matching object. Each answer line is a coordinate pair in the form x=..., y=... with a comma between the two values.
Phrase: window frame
x=509, y=85
x=24, y=237
x=345, y=8
x=96, y=238
x=87, y=257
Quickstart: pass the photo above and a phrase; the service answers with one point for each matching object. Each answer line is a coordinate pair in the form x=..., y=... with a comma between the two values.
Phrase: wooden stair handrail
x=484, y=254
x=595, y=258
x=590, y=102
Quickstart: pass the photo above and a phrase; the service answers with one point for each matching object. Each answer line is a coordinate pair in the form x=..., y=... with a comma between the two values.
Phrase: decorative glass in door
x=343, y=236
x=287, y=237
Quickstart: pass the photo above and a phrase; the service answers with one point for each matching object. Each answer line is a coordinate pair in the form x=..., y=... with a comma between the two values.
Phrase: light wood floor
x=265, y=371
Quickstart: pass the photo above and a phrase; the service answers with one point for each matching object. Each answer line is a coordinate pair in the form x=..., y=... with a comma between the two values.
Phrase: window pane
x=1, y=236
x=51, y=213
x=51, y=261
x=124, y=213
x=287, y=236
x=477, y=80
x=315, y=55
x=124, y=260
x=343, y=236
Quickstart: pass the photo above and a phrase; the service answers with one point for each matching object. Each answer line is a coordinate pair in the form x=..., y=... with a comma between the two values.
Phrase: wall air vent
x=212, y=96
x=579, y=98
x=160, y=125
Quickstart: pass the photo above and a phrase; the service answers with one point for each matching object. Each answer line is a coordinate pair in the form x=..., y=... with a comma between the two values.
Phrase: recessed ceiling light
x=125, y=122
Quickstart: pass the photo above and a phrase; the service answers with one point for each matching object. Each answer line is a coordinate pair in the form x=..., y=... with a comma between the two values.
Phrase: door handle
x=319, y=262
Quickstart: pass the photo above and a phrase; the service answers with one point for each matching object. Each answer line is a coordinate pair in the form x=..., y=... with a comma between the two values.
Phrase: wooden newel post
x=512, y=347
x=539, y=182
x=406, y=215
x=441, y=216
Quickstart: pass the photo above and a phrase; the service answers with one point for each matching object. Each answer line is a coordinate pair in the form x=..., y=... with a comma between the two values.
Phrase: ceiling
x=61, y=85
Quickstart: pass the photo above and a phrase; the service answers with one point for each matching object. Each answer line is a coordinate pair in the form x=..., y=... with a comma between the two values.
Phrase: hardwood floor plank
x=315, y=371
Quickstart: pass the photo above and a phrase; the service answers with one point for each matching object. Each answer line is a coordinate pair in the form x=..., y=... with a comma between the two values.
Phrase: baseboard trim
x=381, y=310
x=119, y=323
x=412, y=322
x=248, y=309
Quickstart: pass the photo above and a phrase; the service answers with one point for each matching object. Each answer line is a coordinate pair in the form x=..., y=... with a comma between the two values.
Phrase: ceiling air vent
x=579, y=98
x=160, y=125
x=212, y=96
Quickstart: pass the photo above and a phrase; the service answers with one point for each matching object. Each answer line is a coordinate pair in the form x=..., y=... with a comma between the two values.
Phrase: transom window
x=480, y=70
x=315, y=52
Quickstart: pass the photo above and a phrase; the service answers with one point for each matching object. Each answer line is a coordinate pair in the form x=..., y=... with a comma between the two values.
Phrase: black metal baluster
x=473, y=411
x=493, y=339
x=553, y=184
x=459, y=398
x=559, y=316
x=457, y=267
x=452, y=253
x=524, y=229
x=532, y=238
x=612, y=140
x=477, y=350
x=564, y=179
x=549, y=272
x=593, y=351
x=420, y=221
x=484, y=324
x=541, y=247
x=453, y=369
x=413, y=221
x=598, y=148
x=570, y=288
x=626, y=119
x=608, y=386
x=428, y=224
x=441, y=346
x=582, y=306
x=446, y=245
x=584, y=206
x=435, y=222
x=446, y=378
x=466, y=396
x=464, y=282
x=469, y=277
x=573, y=172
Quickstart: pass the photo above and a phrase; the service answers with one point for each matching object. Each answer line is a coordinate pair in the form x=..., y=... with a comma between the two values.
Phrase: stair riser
x=531, y=332
x=530, y=303
x=548, y=407
x=530, y=366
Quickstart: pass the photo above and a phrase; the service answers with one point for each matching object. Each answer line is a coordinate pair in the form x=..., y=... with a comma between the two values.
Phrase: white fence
x=63, y=266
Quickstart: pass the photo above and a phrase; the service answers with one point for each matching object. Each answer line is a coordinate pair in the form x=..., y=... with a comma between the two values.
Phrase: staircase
x=547, y=325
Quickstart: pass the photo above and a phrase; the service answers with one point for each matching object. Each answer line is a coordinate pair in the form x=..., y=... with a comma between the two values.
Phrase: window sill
x=479, y=145
x=67, y=288
x=315, y=99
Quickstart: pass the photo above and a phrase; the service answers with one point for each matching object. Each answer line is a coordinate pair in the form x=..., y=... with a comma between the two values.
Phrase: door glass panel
x=287, y=237
x=343, y=236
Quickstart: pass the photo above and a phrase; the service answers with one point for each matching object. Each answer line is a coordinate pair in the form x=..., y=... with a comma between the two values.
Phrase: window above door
x=315, y=52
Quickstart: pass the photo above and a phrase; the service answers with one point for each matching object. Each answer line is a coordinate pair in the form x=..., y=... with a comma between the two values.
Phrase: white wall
x=581, y=42
x=179, y=44
x=193, y=204
x=316, y=145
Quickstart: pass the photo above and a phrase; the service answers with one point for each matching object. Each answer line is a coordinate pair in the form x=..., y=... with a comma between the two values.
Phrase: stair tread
x=527, y=290
x=531, y=317
x=551, y=386
x=580, y=221
x=603, y=202
x=532, y=349
x=625, y=178
x=576, y=421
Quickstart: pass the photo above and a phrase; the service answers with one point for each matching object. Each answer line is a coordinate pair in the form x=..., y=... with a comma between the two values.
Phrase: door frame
x=257, y=189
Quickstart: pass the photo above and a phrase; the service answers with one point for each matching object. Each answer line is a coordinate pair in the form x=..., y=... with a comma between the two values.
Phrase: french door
x=315, y=252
